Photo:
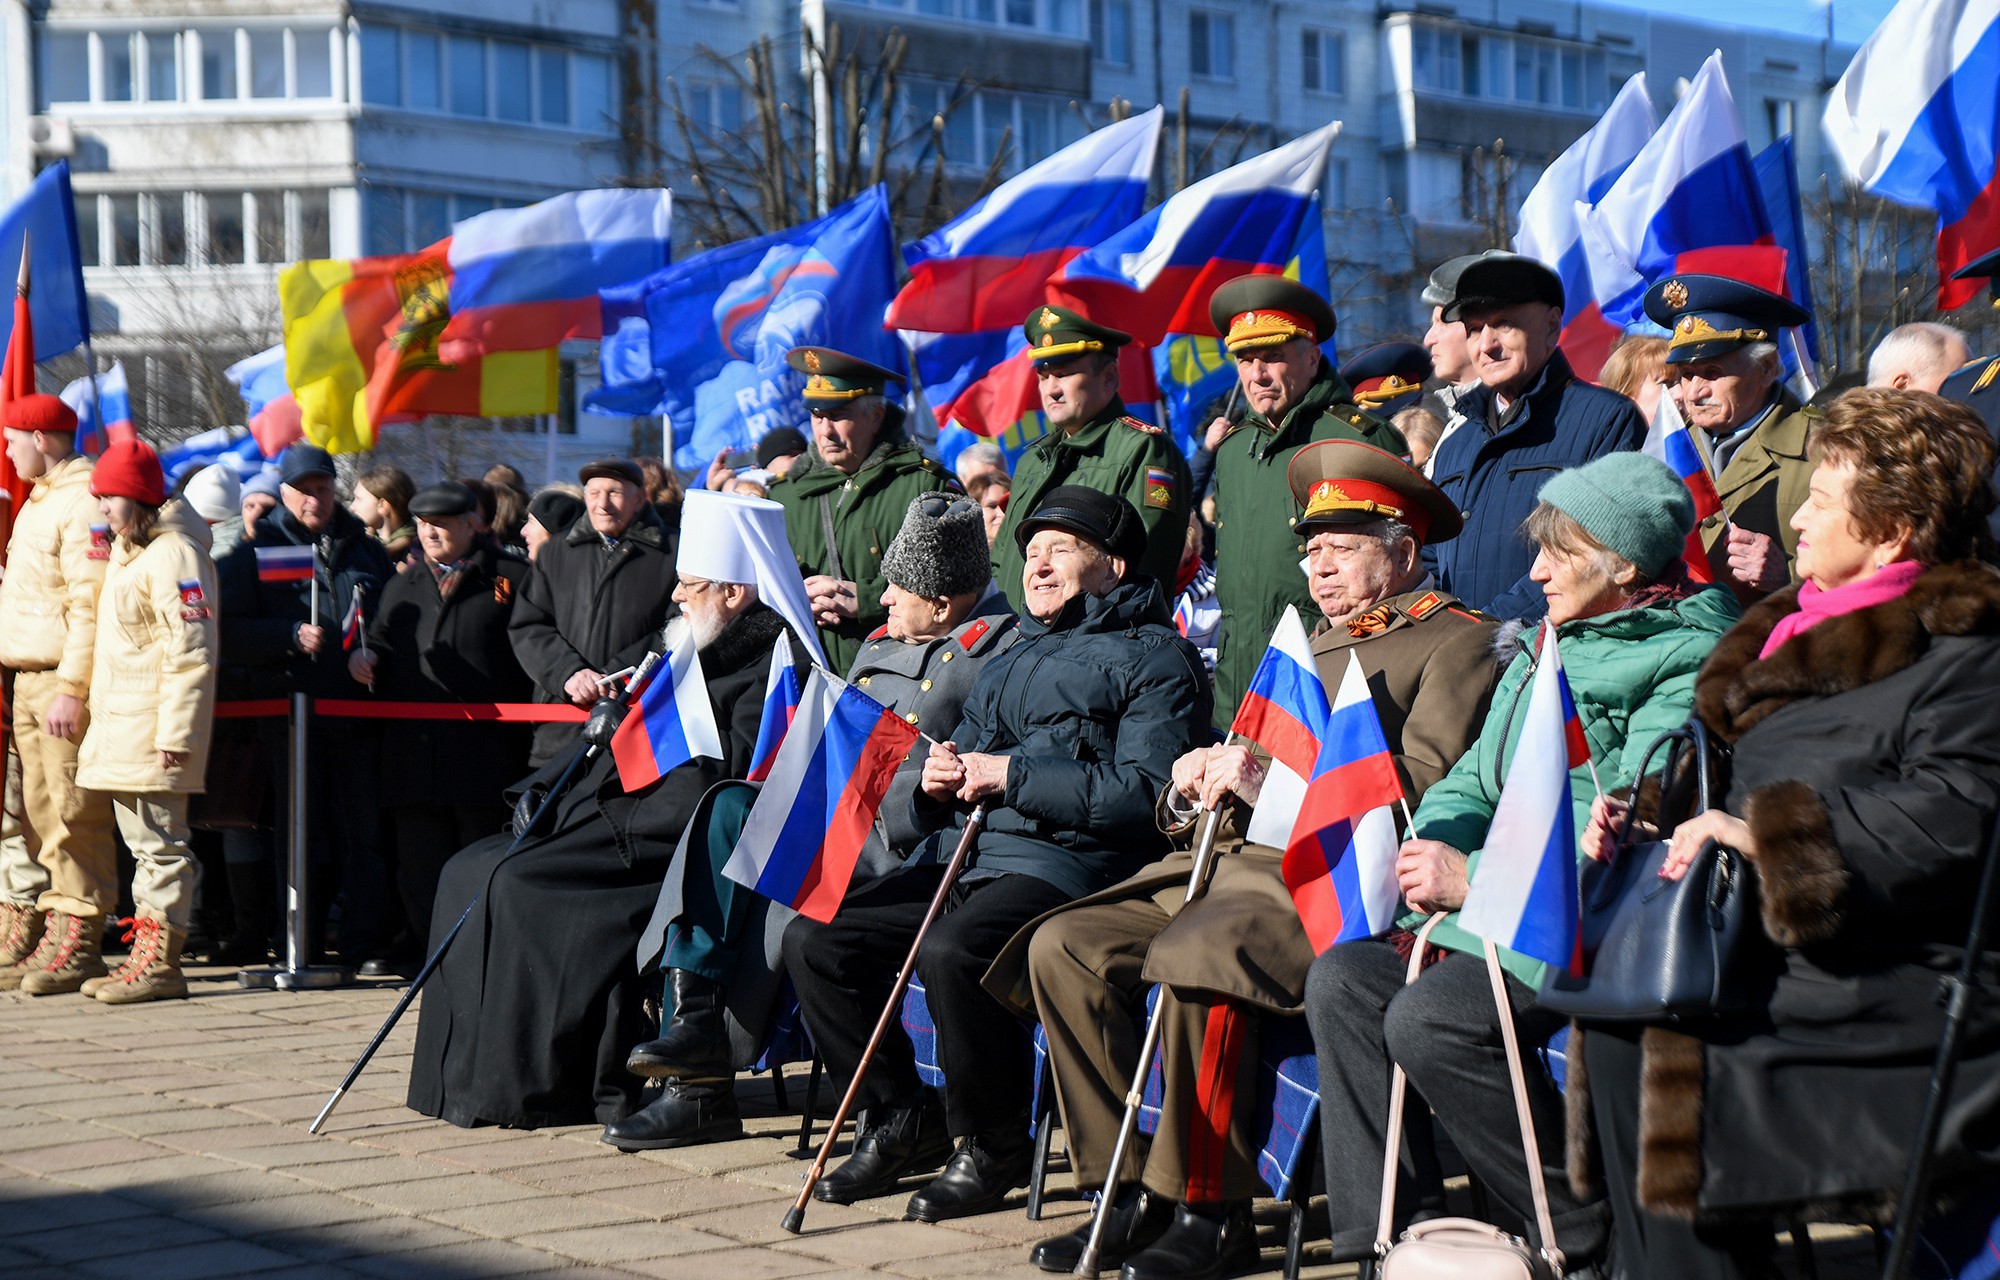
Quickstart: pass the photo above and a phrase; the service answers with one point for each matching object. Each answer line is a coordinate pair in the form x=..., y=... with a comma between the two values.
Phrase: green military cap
x=834, y=377
x=1341, y=482
x=1257, y=311
x=1057, y=333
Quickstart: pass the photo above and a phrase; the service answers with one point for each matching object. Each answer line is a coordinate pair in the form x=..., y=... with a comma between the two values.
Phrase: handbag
x=1466, y=1248
x=1663, y=950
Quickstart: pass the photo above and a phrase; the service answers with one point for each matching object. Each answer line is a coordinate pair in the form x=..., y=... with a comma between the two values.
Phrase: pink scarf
x=1816, y=606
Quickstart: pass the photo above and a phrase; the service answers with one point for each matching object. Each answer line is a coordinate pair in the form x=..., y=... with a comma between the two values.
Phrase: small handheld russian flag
x=673, y=721
x=286, y=563
x=353, y=624
x=1669, y=440
x=810, y=823
x=1523, y=894
x=781, y=704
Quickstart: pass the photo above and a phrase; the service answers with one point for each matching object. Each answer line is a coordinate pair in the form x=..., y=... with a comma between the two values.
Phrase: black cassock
x=528, y=1020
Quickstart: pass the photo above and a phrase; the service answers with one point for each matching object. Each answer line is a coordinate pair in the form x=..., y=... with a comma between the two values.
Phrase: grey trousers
x=1444, y=1031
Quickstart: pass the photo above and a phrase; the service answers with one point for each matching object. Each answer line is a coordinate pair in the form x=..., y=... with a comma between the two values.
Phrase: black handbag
x=1664, y=950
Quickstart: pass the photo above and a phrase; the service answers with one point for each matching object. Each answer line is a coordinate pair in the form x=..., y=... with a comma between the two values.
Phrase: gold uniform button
x=1293, y=521
x=863, y=681
x=1302, y=548
x=947, y=657
x=911, y=717
x=925, y=686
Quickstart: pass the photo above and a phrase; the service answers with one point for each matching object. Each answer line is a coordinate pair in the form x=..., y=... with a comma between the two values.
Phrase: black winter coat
x=1093, y=708
x=261, y=620
x=583, y=608
x=1866, y=762
x=528, y=1019
x=432, y=648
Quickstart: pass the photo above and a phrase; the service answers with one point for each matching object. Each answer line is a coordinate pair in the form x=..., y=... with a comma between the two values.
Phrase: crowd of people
x=1074, y=641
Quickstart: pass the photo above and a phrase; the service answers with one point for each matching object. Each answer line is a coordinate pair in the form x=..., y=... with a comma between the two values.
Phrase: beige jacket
x=55, y=567
x=154, y=687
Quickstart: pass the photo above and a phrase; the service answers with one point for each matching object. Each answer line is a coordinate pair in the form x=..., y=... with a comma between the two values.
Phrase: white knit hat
x=728, y=537
x=215, y=493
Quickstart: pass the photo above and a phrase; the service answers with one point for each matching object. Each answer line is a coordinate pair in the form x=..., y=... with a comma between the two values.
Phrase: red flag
x=17, y=379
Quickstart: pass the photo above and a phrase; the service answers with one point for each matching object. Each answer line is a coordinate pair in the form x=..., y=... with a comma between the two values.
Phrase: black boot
x=252, y=905
x=1206, y=1242
x=976, y=1178
x=694, y=1045
x=910, y=1139
x=684, y=1115
x=1136, y=1220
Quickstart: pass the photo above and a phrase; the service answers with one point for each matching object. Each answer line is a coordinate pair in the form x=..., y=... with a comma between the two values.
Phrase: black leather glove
x=604, y=720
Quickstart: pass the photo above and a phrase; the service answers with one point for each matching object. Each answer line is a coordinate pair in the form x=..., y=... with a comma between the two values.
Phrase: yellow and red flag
x=361, y=350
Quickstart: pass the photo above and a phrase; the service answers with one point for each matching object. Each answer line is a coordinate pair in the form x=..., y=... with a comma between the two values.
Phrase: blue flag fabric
x=704, y=340
x=1778, y=184
x=47, y=215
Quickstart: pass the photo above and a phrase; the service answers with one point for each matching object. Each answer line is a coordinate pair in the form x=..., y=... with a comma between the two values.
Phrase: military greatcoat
x=1764, y=482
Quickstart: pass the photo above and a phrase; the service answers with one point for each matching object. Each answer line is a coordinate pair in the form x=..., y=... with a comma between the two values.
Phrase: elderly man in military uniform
x=716, y=940
x=1273, y=327
x=844, y=498
x=1729, y=385
x=1239, y=953
x=1093, y=442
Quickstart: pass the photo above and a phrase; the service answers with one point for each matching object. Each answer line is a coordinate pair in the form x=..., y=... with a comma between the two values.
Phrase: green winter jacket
x=867, y=510
x=1631, y=674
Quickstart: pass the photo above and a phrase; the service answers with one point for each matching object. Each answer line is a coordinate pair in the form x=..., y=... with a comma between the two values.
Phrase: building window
x=1032, y=126
x=714, y=106
x=1323, y=56
x=381, y=70
x=1548, y=73
x=118, y=69
x=1211, y=41
x=400, y=219
x=529, y=83
x=468, y=76
x=65, y=67
x=1111, y=31
x=222, y=64
x=201, y=228
x=163, y=60
x=552, y=86
x=1779, y=114
x=513, y=89
x=1333, y=188
x=423, y=70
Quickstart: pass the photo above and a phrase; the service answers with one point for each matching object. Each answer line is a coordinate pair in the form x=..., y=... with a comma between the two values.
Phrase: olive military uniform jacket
x=1115, y=454
x=1431, y=671
x=1764, y=482
x=1256, y=556
x=866, y=510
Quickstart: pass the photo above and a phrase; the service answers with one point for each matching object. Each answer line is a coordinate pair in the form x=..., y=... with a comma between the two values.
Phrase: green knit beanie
x=1632, y=503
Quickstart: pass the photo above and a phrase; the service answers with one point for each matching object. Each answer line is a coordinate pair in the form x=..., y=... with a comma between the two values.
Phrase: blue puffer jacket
x=1093, y=708
x=1493, y=473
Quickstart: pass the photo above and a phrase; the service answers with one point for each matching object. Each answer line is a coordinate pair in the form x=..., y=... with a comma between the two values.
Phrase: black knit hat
x=1104, y=518
x=555, y=510
x=941, y=549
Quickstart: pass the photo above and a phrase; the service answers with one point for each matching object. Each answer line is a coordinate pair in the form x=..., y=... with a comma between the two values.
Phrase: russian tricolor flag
x=1549, y=231
x=1669, y=440
x=286, y=563
x=781, y=705
x=1523, y=894
x=1691, y=187
x=1155, y=277
x=113, y=397
x=809, y=824
x=1914, y=120
x=673, y=721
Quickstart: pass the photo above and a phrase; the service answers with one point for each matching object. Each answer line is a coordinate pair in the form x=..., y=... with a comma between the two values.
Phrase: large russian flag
x=806, y=831
x=113, y=397
x=673, y=721
x=1914, y=120
x=1549, y=231
x=1155, y=277
x=986, y=268
x=781, y=706
x=1523, y=894
x=525, y=279
x=1691, y=187
x=1669, y=440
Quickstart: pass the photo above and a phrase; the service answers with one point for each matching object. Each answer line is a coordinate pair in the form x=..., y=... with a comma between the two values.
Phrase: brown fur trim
x=1735, y=689
x=1671, y=1083
x=1585, y=1161
x=1801, y=877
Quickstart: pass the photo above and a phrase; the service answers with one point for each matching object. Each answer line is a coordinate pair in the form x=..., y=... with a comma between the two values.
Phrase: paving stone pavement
x=168, y=1141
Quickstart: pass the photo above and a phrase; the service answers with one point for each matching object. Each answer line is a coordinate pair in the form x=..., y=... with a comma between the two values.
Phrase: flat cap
x=1057, y=333
x=40, y=412
x=1388, y=376
x=1443, y=282
x=302, y=460
x=1104, y=518
x=1496, y=279
x=1711, y=316
x=1257, y=311
x=1346, y=482
x=779, y=442
x=447, y=499
x=555, y=510
x=612, y=469
x=834, y=376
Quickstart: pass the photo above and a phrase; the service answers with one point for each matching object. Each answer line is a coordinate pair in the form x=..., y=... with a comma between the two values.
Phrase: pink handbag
x=1466, y=1248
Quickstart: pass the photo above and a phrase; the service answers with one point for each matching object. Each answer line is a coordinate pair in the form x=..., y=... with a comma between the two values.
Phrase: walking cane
x=1956, y=992
x=604, y=720
x=1204, y=864
x=795, y=1219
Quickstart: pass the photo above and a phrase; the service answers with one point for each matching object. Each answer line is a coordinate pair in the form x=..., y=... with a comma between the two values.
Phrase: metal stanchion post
x=297, y=973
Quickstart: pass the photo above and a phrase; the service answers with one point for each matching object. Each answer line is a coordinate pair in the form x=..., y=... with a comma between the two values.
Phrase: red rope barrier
x=360, y=709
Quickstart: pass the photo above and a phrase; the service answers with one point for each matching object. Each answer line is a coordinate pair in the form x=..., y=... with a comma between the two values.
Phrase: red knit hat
x=129, y=469
x=39, y=413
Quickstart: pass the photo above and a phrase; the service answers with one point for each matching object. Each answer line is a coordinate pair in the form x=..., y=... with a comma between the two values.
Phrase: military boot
x=20, y=933
x=151, y=972
x=70, y=955
x=12, y=976
x=694, y=1045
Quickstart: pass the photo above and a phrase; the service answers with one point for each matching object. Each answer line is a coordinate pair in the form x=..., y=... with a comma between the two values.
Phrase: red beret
x=39, y=413
x=129, y=469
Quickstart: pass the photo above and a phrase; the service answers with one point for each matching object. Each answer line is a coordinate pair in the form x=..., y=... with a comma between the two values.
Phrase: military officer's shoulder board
x=972, y=634
x=878, y=633
x=1138, y=425
x=1424, y=606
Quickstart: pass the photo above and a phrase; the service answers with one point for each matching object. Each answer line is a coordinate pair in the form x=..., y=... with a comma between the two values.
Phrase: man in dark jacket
x=281, y=635
x=1528, y=419
x=596, y=597
x=440, y=635
x=1067, y=740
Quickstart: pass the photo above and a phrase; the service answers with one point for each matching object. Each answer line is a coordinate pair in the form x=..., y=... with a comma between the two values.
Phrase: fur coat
x=1865, y=757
